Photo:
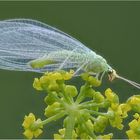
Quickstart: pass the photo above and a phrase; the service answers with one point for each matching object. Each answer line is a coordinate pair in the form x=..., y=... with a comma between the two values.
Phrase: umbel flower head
x=86, y=112
x=31, y=127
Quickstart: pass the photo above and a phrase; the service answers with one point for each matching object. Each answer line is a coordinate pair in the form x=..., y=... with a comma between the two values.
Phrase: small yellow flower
x=28, y=120
x=71, y=90
x=52, y=109
x=68, y=75
x=31, y=126
x=136, y=115
x=37, y=84
x=107, y=137
x=55, y=76
x=124, y=108
x=134, y=131
x=89, y=124
x=91, y=80
x=116, y=111
x=61, y=75
x=61, y=135
x=134, y=103
x=115, y=119
x=131, y=134
x=116, y=114
x=99, y=98
x=100, y=124
x=111, y=96
x=134, y=100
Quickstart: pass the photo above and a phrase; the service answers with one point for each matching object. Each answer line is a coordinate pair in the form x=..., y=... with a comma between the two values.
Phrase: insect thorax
x=96, y=64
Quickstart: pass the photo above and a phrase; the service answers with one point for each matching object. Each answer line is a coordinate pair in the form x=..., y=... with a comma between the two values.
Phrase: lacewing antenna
x=112, y=75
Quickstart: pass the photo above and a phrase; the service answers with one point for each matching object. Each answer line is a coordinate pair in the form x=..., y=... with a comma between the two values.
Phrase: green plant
x=81, y=110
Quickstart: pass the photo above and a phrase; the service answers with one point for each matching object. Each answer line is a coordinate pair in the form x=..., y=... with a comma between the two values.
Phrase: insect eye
x=110, y=71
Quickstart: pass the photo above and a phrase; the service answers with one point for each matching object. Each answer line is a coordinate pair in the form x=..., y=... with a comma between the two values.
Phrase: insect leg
x=93, y=74
x=102, y=75
x=98, y=76
x=80, y=67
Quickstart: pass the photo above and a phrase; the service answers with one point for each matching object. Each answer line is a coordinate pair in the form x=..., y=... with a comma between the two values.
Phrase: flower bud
x=100, y=123
x=52, y=109
x=71, y=90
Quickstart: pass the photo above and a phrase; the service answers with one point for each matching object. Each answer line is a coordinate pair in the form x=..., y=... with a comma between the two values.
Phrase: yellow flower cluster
x=31, y=127
x=134, y=132
x=116, y=111
x=61, y=75
x=111, y=96
x=51, y=81
x=91, y=80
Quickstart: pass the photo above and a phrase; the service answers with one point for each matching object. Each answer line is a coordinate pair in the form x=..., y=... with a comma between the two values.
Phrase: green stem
x=97, y=113
x=66, y=97
x=58, y=99
x=36, y=125
x=88, y=105
x=71, y=98
x=92, y=118
x=53, y=118
x=81, y=95
x=87, y=129
x=87, y=102
x=69, y=127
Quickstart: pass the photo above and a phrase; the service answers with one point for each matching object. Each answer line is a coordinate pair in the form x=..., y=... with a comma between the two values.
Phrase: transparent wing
x=22, y=41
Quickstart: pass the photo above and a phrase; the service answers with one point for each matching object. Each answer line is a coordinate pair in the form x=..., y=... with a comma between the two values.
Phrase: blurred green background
x=112, y=29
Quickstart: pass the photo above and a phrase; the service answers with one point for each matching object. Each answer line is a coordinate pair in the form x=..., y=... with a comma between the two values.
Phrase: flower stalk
x=69, y=126
x=53, y=118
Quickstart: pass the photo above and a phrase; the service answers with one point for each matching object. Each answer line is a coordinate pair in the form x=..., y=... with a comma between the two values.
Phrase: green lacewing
x=30, y=45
